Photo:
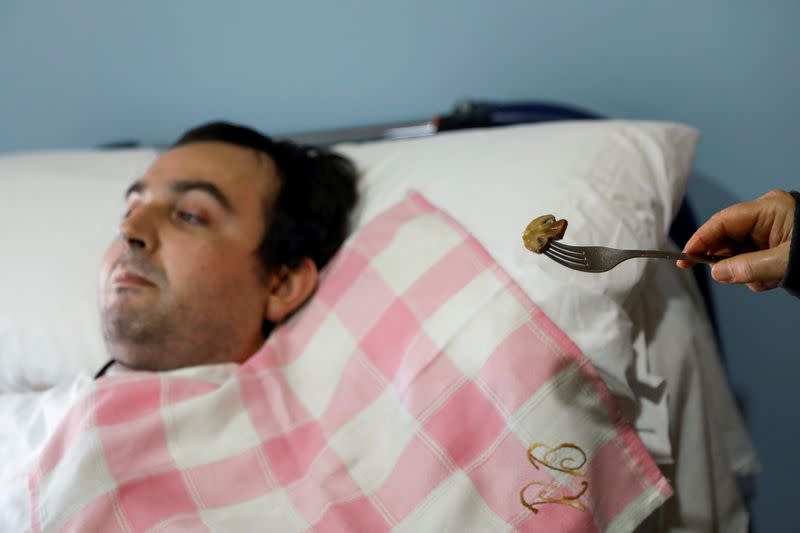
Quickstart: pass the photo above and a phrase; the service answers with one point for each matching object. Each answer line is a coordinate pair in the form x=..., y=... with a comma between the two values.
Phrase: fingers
x=714, y=236
x=758, y=224
x=724, y=250
x=733, y=223
x=761, y=270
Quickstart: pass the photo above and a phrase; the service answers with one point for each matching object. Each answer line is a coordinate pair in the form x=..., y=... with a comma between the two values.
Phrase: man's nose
x=138, y=229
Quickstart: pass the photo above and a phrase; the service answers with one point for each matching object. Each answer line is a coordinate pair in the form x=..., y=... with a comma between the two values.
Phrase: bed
x=643, y=326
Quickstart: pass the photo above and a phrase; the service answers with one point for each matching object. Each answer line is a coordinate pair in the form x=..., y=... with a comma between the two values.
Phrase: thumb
x=763, y=267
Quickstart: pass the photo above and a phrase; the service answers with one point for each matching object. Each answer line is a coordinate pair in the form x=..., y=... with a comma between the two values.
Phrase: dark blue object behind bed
x=473, y=114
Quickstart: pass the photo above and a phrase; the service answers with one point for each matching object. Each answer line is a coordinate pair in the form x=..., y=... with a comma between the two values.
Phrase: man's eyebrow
x=198, y=185
x=184, y=186
x=136, y=187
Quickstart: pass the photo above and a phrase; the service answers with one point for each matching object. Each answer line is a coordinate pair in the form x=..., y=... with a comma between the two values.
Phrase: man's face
x=183, y=285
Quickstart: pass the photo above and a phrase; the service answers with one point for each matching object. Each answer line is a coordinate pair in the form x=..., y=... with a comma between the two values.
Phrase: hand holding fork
x=541, y=235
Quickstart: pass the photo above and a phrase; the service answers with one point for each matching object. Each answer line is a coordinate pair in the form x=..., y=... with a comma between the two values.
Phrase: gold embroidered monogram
x=549, y=494
x=567, y=458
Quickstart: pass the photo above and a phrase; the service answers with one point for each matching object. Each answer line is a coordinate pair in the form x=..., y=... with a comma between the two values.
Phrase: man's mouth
x=126, y=278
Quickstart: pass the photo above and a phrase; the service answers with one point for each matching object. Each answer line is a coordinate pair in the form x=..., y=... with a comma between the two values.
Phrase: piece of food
x=541, y=231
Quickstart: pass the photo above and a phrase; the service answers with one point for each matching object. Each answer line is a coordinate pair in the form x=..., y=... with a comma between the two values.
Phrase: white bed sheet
x=29, y=418
x=710, y=443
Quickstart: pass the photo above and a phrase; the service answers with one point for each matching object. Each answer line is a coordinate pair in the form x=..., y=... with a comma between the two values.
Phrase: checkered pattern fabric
x=419, y=390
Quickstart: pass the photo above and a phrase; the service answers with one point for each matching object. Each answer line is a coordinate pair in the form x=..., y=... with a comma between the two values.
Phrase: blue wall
x=79, y=73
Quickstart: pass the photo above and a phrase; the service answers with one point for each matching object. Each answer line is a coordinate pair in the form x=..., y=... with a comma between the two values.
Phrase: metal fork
x=602, y=259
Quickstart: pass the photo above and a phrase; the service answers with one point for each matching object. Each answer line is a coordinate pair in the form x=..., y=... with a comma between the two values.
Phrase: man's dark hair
x=310, y=217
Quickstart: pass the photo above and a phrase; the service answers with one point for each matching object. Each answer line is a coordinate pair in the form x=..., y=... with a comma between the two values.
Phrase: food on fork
x=541, y=231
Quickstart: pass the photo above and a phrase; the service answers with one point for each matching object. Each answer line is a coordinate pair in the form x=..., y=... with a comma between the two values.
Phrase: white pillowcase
x=58, y=213
x=617, y=182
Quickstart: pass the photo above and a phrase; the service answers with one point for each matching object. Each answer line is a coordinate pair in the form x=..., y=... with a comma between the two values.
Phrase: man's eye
x=190, y=218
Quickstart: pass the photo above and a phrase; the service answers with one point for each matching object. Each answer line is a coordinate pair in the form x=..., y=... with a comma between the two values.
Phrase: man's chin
x=128, y=303
x=132, y=330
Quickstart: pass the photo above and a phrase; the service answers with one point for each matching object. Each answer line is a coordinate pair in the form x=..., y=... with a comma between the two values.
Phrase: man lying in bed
x=223, y=237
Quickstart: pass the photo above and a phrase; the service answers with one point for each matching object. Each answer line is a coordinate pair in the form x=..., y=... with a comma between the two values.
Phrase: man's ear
x=289, y=288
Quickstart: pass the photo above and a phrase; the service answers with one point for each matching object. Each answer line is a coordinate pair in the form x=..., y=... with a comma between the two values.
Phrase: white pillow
x=618, y=183
x=58, y=213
